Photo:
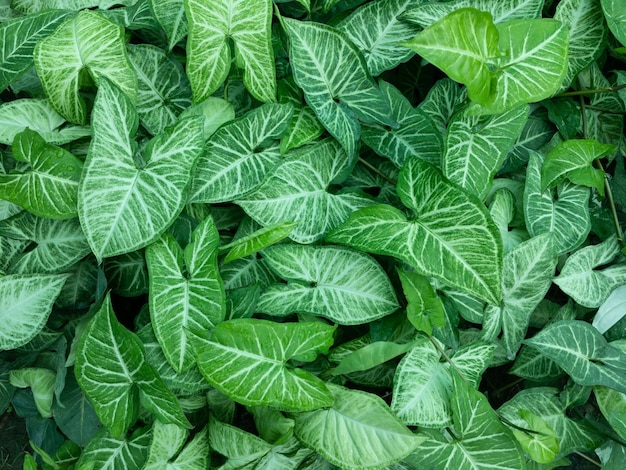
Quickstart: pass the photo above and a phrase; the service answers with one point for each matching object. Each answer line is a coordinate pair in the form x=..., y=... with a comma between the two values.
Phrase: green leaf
x=255, y=373
x=28, y=7
x=588, y=286
x=612, y=310
x=128, y=274
x=615, y=14
x=535, y=135
x=458, y=242
x=74, y=415
x=39, y=116
x=106, y=452
x=211, y=27
x=303, y=128
x=163, y=90
x=358, y=431
x=612, y=403
x=215, y=111
x=443, y=100
x=542, y=444
x=58, y=243
x=424, y=307
x=25, y=304
x=566, y=218
x=239, y=154
x=262, y=238
x=377, y=30
x=41, y=382
x=343, y=285
x=150, y=189
x=370, y=356
x=186, y=292
x=17, y=42
x=112, y=371
x=296, y=190
x=321, y=58
x=49, y=188
x=170, y=14
x=240, y=447
x=168, y=449
x=569, y=156
x=417, y=133
x=583, y=353
x=476, y=147
x=88, y=40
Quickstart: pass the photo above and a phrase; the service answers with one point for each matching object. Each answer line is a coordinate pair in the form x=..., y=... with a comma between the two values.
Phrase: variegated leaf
x=106, y=452
x=168, y=449
x=170, y=14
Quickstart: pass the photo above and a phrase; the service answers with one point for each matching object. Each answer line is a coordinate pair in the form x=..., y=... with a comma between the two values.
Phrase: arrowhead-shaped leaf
x=211, y=26
x=343, y=285
x=25, y=303
x=170, y=14
x=87, y=40
x=150, y=189
x=239, y=154
x=109, y=453
x=49, y=188
x=359, y=431
x=322, y=58
x=452, y=238
x=297, y=191
x=246, y=359
x=168, y=449
x=186, y=292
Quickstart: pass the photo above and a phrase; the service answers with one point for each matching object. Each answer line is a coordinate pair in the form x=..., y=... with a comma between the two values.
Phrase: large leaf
x=343, y=285
x=297, y=191
x=246, y=359
x=168, y=449
x=111, y=369
x=358, y=432
x=583, y=353
x=88, y=40
x=452, y=238
x=248, y=24
x=615, y=13
x=149, y=190
x=480, y=440
x=336, y=83
x=170, y=14
x=565, y=216
x=17, y=42
x=49, y=188
x=417, y=133
x=25, y=304
x=106, y=452
x=186, y=291
x=239, y=154
x=39, y=116
x=376, y=29
x=476, y=147
x=587, y=285
x=58, y=243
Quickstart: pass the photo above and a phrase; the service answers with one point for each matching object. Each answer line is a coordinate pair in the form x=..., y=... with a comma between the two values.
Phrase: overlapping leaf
x=248, y=24
x=109, y=453
x=256, y=241
x=345, y=286
x=186, y=292
x=615, y=14
x=150, y=188
x=452, y=238
x=170, y=14
x=88, y=40
x=168, y=449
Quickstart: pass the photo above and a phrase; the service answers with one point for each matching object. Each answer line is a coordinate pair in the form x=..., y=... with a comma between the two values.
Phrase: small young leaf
x=542, y=444
x=256, y=241
x=424, y=308
x=41, y=382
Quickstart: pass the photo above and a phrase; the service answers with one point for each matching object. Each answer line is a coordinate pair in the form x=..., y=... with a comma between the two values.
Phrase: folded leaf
x=256, y=241
x=41, y=382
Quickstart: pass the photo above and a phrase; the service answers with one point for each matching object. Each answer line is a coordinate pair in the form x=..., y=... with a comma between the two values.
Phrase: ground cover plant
x=312, y=234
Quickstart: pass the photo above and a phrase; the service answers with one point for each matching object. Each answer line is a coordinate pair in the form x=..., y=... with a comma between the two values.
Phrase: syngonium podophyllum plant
x=310, y=235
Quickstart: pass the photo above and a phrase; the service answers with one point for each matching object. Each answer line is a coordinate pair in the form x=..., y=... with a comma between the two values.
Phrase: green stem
x=377, y=171
x=592, y=92
x=589, y=459
x=446, y=357
x=602, y=110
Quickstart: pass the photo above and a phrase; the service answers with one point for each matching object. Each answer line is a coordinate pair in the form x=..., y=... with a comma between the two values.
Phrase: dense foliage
x=313, y=234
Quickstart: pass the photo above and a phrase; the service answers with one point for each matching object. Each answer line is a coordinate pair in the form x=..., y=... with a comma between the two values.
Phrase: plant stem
x=589, y=459
x=446, y=357
x=602, y=110
x=377, y=171
x=592, y=92
x=507, y=386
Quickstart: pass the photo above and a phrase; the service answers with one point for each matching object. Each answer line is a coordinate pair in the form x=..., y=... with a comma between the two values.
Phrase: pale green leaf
x=343, y=285
x=17, y=42
x=322, y=58
x=503, y=210
x=35, y=6
x=59, y=243
x=49, y=188
x=149, y=190
x=163, y=90
x=215, y=111
x=167, y=451
x=357, y=432
x=476, y=147
x=612, y=310
x=25, y=303
x=612, y=403
x=186, y=292
x=262, y=238
x=247, y=23
x=458, y=242
x=240, y=447
x=370, y=356
x=39, y=116
x=376, y=29
x=417, y=133
x=41, y=382
x=424, y=307
x=583, y=353
x=271, y=424
x=542, y=443
x=566, y=216
x=297, y=191
x=170, y=14
x=239, y=154
x=615, y=14
x=87, y=40
x=105, y=452
x=246, y=359
x=303, y=128
x=587, y=34
x=587, y=285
